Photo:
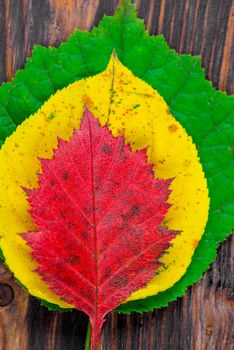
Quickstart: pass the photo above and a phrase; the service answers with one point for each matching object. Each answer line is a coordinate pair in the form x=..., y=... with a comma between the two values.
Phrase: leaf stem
x=88, y=337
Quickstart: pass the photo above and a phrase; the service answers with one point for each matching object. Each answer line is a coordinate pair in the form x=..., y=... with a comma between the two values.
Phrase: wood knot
x=6, y=294
x=209, y=330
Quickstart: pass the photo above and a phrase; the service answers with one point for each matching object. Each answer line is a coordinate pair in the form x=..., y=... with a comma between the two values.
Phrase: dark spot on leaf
x=84, y=235
x=74, y=260
x=173, y=128
x=168, y=111
x=70, y=225
x=65, y=176
x=118, y=281
x=108, y=272
x=106, y=149
x=51, y=116
x=135, y=210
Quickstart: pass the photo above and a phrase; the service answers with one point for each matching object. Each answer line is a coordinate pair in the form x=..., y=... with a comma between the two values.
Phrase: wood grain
x=203, y=319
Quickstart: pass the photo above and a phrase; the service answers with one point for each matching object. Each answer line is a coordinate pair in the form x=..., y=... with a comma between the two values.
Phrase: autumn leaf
x=130, y=107
x=98, y=210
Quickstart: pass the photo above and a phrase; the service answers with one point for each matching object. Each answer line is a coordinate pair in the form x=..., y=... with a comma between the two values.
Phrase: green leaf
x=53, y=307
x=206, y=114
x=1, y=255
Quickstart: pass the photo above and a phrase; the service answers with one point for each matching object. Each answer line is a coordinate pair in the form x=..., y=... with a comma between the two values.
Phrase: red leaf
x=98, y=210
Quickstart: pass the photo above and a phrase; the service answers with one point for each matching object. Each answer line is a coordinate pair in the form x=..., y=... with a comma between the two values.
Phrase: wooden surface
x=203, y=319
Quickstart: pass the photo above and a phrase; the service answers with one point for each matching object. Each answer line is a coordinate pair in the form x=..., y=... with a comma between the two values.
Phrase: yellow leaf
x=129, y=106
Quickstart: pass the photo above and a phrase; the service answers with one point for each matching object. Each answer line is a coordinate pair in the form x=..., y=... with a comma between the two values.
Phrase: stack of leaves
x=116, y=190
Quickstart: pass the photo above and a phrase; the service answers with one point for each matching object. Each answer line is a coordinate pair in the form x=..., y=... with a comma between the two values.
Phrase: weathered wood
x=203, y=318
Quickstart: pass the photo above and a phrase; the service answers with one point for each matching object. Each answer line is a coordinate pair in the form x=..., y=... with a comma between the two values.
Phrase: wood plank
x=203, y=318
